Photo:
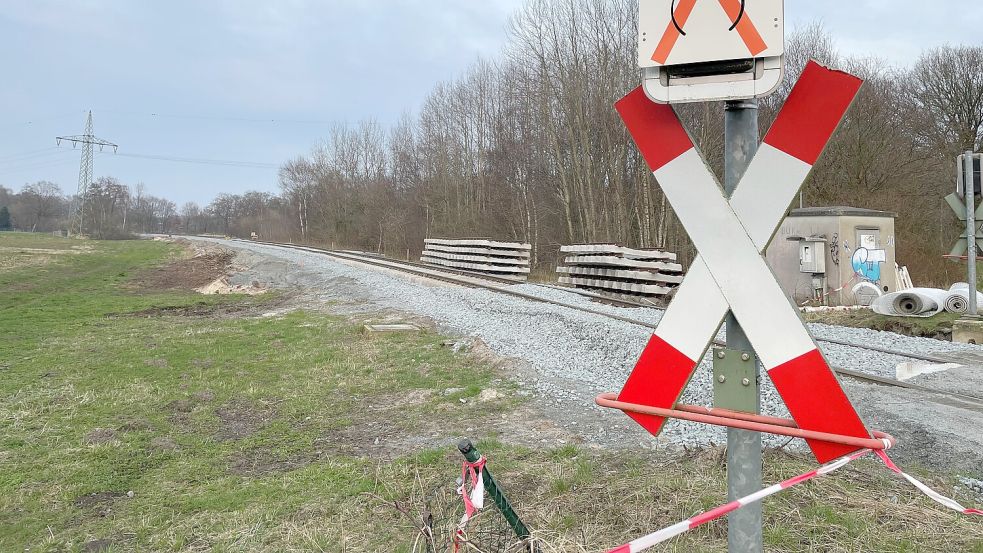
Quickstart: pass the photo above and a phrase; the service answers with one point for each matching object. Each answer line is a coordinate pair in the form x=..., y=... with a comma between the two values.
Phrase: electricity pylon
x=87, y=140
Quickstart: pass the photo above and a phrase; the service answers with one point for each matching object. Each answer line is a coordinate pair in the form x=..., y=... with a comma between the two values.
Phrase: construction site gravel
x=565, y=357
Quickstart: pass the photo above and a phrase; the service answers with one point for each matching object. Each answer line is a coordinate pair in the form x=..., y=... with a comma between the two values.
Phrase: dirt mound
x=190, y=273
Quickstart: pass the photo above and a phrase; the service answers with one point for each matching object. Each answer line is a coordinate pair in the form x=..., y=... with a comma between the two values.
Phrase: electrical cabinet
x=812, y=255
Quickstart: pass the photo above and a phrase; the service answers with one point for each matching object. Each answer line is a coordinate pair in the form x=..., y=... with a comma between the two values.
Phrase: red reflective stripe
x=812, y=112
x=655, y=128
x=658, y=379
x=671, y=35
x=745, y=27
x=817, y=402
x=621, y=549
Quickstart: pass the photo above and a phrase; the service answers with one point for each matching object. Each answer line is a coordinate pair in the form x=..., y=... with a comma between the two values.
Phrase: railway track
x=503, y=286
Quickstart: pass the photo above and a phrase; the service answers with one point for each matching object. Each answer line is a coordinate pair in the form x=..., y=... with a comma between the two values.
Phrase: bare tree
x=946, y=85
x=44, y=200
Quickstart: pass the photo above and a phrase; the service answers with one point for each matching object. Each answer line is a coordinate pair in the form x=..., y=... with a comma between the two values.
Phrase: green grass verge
x=938, y=326
x=239, y=432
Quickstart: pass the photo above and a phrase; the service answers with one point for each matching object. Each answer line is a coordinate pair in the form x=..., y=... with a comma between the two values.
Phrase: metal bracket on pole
x=735, y=380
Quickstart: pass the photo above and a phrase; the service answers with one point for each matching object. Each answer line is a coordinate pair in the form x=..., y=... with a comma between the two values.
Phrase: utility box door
x=812, y=257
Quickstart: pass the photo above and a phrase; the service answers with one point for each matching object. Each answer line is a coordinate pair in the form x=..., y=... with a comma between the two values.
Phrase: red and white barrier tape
x=473, y=500
x=669, y=532
x=932, y=494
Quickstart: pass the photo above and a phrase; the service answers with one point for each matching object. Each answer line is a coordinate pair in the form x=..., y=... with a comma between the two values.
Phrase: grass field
x=138, y=418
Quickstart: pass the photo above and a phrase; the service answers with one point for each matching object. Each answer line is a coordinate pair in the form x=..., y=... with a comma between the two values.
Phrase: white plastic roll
x=960, y=304
x=956, y=303
x=915, y=302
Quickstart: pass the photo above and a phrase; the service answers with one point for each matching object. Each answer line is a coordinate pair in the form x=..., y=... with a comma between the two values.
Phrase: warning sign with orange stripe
x=673, y=32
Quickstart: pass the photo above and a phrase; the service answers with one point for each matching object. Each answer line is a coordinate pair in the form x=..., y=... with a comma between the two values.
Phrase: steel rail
x=473, y=279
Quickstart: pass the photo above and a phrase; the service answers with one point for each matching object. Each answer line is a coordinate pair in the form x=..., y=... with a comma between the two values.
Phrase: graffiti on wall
x=867, y=263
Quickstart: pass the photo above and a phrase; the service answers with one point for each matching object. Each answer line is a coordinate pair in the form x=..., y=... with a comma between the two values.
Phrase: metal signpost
x=743, y=446
x=969, y=192
x=963, y=204
x=691, y=51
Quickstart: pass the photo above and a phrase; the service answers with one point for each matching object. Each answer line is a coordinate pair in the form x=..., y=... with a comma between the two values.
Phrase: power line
x=35, y=165
x=203, y=161
x=16, y=158
x=272, y=120
x=34, y=121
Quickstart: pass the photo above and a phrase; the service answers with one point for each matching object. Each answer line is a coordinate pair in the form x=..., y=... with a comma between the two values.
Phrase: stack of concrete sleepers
x=618, y=271
x=508, y=260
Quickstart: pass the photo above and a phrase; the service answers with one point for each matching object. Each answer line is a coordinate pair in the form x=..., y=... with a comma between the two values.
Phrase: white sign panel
x=737, y=46
x=674, y=32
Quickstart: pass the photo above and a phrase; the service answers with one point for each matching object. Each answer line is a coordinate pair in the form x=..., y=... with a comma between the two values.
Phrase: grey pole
x=969, y=193
x=743, y=446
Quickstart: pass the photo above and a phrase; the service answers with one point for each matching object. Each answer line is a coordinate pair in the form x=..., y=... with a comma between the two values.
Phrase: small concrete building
x=835, y=255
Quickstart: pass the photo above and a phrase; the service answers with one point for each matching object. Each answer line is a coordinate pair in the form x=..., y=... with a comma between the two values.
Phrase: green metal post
x=472, y=455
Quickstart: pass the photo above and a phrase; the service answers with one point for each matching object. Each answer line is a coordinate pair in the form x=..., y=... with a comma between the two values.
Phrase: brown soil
x=187, y=273
x=163, y=444
x=101, y=503
x=97, y=546
x=200, y=309
x=261, y=462
x=240, y=419
x=135, y=425
x=100, y=436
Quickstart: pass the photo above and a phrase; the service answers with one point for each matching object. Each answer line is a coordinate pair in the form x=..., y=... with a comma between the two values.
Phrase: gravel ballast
x=572, y=356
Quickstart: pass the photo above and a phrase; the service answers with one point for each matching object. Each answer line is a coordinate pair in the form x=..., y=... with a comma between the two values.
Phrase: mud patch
x=98, y=503
x=203, y=396
x=262, y=462
x=97, y=546
x=379, y=439
x=240, y=419
x=199, y=270
x=199, y=309
x=163, y=443
x=180, y=410
x=135, y=425
x=180, y=406
x=99, y=436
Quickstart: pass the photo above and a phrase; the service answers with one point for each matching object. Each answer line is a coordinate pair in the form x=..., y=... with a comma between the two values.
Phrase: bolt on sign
x=704, y=50
x=730, y=274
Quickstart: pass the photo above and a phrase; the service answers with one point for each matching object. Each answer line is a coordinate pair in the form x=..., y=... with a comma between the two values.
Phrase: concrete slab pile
x=618, y=271
x=509, y=260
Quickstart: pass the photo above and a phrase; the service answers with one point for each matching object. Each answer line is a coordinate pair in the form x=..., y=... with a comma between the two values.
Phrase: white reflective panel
x=771, y=323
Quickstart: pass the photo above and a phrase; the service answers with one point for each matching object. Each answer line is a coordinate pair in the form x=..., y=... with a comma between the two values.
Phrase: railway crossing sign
x=701, y=50
x=958, y=206
x=730, y=274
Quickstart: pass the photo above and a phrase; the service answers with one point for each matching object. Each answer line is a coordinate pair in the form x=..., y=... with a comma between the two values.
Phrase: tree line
x=112, y=209
x=115, y=210
x=528, y=147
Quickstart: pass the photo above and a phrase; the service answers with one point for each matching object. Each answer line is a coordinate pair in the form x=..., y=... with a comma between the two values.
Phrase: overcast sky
x=260, y=81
